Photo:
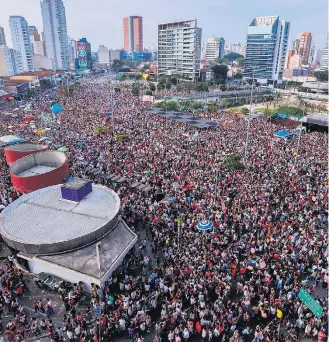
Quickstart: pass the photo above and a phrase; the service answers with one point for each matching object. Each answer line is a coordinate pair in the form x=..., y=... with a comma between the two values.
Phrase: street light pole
x=249, y=116
x=299, y=135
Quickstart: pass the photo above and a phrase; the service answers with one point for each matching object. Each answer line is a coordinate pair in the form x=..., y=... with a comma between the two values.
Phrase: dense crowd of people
x=237, y=282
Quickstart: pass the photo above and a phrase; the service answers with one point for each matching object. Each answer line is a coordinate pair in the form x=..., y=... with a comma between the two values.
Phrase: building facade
x=103, y=55
x=293, y=60
x=83, y=53
x=55, y=33
x=2, y=37
x=324, y=58
x=9, y=62
x=36, y=42
x=236, y=48
x=72, y=50
x=133, y=34
x=21, y=41
x=213, y=49
x=221, y=47
x=304, y=48
x=179, y=49
x=266, y=49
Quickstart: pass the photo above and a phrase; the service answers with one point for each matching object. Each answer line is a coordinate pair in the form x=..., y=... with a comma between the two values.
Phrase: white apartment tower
x=9, y=62
x=179, y=49
x=214, y=48
x=266, y=49
x=103, y=55
x=21, y=42
x=72, y=50
x=55, y=33
x=324, y=59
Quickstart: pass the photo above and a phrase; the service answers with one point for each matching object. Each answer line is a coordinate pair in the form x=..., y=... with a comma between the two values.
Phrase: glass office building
x=179, y=49
x=266, y=49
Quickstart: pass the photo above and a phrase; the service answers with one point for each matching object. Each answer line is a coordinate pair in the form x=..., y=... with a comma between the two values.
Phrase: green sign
x=310, y=302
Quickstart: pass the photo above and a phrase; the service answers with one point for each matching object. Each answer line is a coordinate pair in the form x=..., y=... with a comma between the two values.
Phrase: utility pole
x=299, y=135
x=249, y=116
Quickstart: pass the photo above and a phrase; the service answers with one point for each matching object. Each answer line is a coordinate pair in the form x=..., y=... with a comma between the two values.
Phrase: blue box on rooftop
x=76, y=190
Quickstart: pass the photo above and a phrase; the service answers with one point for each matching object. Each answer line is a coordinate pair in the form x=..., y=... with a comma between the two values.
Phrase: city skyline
x=211, y=18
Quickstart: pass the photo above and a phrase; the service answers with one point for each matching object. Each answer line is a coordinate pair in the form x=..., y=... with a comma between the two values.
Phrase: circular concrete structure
x=39, y=170
x=43, y=223
x=15, y=152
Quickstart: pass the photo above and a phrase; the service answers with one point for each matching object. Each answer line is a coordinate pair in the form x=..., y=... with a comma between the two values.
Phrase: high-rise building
x=318, y=56
x=72, y=50
x=179, y=49
x=304, y=48
x=103, y=55
x=36, y=43
x=55, y=33
x=133, y=34
x=10, y=63
x=295, y=45
x=21, y=41
x=293, y=60
x=2, y=37
x=221, y=47
x=212, y=49
x=236, y=48
x=311, y=59
x=83, y=49
x=266, y=49
x=324, y=58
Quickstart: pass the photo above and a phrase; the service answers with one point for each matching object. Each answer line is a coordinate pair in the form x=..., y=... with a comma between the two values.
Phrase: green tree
x=220, y=73
x=233, y=162
x=238, y=76
x=201, y=87
x=244, y=110
x=322, y=75
x=168, y=85
x=232, y=56
x=212, y=107
x=222, y=61
x=148, y=92
x=173, y=80
x=152, y=87
x=240, y=61
x=224, y=103
x=117, y=65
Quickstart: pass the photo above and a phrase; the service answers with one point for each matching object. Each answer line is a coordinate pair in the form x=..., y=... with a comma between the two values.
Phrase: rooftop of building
x=260, y=21
x=48, y=219
x=36, y=73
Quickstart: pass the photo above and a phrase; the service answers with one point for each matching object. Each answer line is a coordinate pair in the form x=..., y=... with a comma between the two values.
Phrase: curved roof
x=42, y=222
x=39, y=163
x=26, y=147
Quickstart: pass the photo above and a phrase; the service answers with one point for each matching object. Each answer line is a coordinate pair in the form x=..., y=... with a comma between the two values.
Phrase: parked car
x=51, y=282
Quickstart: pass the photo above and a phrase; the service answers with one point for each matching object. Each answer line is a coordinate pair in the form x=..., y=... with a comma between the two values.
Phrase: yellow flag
x=279, y=313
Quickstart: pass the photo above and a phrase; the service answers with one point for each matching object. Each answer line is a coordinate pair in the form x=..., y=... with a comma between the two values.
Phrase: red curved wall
x=29, y=184
x=12, y=155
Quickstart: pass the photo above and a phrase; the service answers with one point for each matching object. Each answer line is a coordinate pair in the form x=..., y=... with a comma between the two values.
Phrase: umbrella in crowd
x=204, y=225
x=56, y=108
x=63, y=149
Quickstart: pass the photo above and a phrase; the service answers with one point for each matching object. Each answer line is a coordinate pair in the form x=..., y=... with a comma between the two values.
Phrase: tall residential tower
x=179, y=49
x=266, y=49
x=21, y=42
x=55, y=33
x=133, y=34
x=304, y=48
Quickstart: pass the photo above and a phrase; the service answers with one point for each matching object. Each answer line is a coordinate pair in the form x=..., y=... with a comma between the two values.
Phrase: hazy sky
x=100, y=21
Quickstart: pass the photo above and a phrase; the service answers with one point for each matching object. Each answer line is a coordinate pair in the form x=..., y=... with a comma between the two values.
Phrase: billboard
x=82, y=55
